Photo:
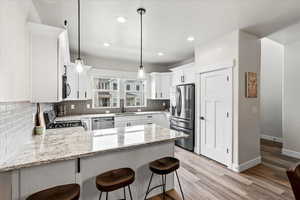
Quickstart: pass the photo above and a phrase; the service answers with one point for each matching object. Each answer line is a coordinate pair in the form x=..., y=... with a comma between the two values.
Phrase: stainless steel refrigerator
x=183, y=115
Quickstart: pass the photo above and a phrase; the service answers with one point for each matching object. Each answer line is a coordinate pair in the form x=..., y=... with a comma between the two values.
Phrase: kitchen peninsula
x=73, y=155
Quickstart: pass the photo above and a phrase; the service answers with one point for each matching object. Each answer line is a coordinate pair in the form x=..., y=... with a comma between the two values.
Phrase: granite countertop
x=78, y=117
x=71, y=143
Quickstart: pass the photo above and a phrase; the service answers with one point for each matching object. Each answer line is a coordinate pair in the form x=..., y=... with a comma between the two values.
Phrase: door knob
x=202, y=118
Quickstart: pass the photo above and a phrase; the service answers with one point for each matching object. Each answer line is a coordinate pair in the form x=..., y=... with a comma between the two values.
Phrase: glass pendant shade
x=141, y=73
x=79, y=65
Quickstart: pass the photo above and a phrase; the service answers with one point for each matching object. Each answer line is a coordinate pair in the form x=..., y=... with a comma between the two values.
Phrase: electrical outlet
x=139, y=110
x=88, y=106
x=72, y=106
x=107, y=111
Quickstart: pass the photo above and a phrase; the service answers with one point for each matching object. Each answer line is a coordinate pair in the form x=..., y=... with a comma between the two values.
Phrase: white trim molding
x=271, y=138
x=246, y=165
x=291, y=153
x=216, y=66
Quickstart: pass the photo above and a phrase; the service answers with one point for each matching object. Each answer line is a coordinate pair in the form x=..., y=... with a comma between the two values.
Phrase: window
x=106, y=93
x=135, y=93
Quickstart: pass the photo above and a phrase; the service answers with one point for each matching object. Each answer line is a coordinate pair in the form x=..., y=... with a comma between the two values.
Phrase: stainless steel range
x=183, y=115
x=51, y=123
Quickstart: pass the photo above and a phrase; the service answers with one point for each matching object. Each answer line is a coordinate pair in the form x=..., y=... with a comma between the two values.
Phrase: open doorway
x=272, y=97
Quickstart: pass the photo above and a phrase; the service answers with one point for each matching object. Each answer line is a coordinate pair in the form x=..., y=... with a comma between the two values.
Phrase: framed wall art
x=251, y=85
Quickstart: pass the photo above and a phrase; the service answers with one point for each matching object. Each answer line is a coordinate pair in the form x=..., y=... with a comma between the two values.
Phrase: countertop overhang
x=71, y=143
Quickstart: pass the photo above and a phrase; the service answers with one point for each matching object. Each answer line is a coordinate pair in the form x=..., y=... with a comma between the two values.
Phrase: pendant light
x=141, y=73
x=79, y=61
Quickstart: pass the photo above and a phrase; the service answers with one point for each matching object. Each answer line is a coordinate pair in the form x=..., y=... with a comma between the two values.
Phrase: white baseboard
x=246, y=165
x=291, y=153
x=271, y=138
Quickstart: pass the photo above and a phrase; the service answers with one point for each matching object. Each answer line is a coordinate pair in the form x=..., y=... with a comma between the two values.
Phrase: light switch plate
x=88, y=106
x=72, y=106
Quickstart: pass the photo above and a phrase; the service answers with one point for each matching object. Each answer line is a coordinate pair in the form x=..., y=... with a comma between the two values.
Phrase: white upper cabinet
x=160, y=85
x=184, y=74
x=49, y=53
x=79, y=83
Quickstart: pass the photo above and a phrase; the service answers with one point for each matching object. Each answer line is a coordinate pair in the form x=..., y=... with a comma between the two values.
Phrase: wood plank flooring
x=204, y=179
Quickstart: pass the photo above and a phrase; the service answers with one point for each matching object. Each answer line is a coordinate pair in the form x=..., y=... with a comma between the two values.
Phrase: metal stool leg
x=130, y=192
x=179, y=185
x=100, y=195
x=163, y=187
x=124, y=193
x=106, y=195
x=149, y=186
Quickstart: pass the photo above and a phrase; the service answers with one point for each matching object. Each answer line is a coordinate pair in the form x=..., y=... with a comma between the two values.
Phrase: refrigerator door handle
x=179, y=102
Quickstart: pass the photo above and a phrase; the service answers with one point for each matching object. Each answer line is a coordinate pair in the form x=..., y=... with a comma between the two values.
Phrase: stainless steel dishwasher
x=103, y=123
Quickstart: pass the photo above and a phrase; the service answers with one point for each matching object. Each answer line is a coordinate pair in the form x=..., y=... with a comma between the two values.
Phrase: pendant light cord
x=79, y=30
x=141, y=58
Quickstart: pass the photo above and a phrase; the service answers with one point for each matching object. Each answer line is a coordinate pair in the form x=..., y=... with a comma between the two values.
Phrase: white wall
x=120, y=65
x=14, y=49
x=272, y=61
x=249, y=114
x=291, y=100
x=244, y=50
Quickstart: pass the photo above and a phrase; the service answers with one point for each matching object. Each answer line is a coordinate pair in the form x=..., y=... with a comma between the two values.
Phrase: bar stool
x=163, y=167
x=114, y=180
x=294, y=177
x=62, y=192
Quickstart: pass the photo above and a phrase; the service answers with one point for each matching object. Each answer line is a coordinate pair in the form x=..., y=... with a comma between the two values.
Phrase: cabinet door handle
x=161, y=94
x=85, y=94
x=183, y=79
x=77, y=94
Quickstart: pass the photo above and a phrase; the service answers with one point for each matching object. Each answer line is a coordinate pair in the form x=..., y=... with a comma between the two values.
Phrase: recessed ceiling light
x=121, y=19
x=160, y=54
x=190, y=38
x=106, y=44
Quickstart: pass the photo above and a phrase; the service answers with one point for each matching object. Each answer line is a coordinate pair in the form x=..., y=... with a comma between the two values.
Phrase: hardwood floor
x=204, y=179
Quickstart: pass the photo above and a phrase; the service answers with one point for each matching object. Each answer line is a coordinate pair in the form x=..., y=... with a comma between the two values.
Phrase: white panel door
x=216, y=112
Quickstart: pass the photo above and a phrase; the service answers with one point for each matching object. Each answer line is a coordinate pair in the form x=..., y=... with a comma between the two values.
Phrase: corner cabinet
x=49, y=53
x=79, y=84
x=160, y=85
x=184, y=74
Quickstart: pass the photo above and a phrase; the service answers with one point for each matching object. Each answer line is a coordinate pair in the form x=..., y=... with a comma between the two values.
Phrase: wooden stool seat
x=62, y=192
x=164, y=165
x=115, y=179
x=294, y=177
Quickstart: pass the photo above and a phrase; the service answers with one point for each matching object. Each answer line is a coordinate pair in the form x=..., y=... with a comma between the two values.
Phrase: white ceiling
x=287, y=35
x=167, y=24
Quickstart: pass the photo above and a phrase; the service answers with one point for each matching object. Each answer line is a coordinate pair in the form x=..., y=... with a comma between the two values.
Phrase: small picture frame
x=251, y=84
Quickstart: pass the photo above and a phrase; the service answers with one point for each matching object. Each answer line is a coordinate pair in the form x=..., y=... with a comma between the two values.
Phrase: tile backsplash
x=16, y=125
x=80, y=107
